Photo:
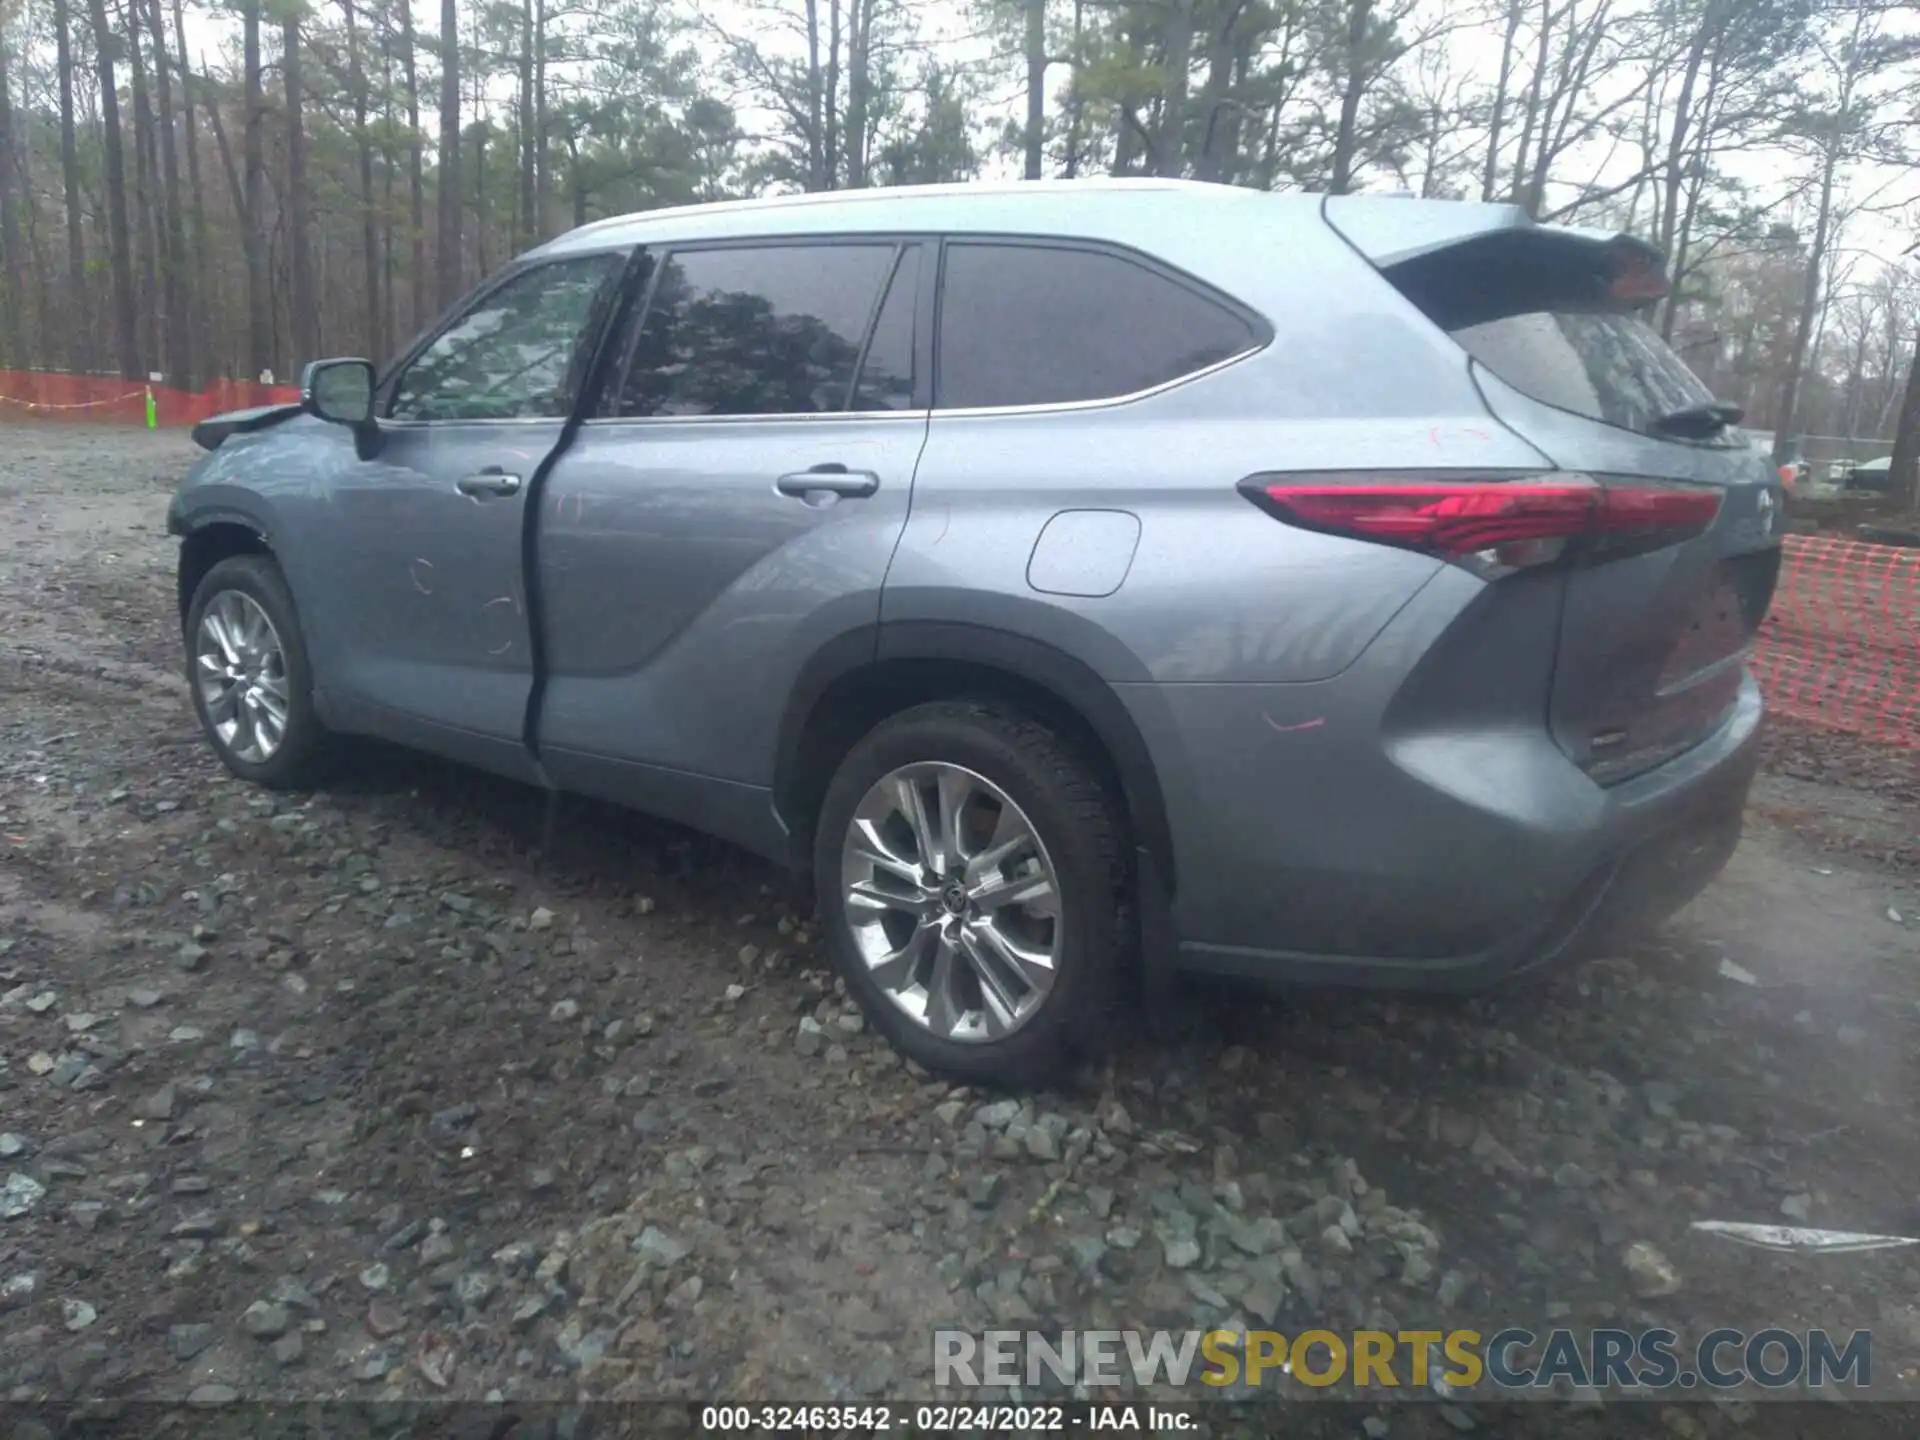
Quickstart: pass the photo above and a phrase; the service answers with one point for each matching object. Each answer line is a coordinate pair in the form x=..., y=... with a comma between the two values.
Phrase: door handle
x=489, y=483
x=830, y=479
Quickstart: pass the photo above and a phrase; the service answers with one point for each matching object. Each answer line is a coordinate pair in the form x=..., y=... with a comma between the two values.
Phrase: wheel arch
x=858, y=679
x=215, y=537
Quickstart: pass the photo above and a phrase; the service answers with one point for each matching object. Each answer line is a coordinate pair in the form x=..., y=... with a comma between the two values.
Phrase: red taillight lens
x=1518, y=519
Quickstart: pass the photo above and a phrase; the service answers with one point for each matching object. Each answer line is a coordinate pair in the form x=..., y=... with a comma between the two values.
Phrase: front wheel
x=970, y=866
x=247, y=666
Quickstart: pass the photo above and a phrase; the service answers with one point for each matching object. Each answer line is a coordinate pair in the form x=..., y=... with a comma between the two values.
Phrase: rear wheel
x=970, y=866
x=247, y=666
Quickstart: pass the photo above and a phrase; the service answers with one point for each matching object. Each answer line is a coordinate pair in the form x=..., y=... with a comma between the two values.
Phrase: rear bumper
x=1441, y=862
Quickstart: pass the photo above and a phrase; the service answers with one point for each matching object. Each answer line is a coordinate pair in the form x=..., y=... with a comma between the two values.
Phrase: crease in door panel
x=900, y=535
x=629, y=297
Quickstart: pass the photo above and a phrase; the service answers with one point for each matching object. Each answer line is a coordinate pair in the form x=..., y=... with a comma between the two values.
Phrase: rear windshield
x=1609, y=367
x=1537, y=307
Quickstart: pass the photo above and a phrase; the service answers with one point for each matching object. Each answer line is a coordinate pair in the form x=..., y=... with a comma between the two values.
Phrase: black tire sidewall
x=257, y=577
x=986, y=740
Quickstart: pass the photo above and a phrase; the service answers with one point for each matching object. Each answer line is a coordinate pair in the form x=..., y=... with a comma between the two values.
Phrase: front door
x=424, y=626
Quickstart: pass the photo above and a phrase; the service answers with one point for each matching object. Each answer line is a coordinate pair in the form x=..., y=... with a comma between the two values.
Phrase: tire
x=296, y=760
x=1079, y=835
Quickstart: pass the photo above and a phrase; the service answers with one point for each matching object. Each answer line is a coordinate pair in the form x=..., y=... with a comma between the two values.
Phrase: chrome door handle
x=828, y=480
x=489, y=483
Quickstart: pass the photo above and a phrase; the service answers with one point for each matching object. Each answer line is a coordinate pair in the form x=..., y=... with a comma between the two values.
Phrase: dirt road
x=356, y=1094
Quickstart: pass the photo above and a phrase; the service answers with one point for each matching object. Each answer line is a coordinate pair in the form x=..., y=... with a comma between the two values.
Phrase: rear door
x=1654, y=633
x=732, y=506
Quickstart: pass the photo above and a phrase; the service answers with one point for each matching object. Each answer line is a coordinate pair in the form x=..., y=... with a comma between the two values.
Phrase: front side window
x=1024, y=324
x=755, y=330
x=519, y=353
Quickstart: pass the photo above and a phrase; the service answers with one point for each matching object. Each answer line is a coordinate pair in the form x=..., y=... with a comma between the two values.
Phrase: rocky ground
x=359, y=1094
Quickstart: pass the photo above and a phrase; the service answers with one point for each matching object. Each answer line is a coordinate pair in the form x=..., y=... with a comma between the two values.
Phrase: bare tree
x=178, y=276
x=304, y=330
x=1836, y=124
x=416, y=163
x=252, y=199
x=13, y=266
x=449, y=167
x=79, y=318
x=363, y=145
x=126, y=324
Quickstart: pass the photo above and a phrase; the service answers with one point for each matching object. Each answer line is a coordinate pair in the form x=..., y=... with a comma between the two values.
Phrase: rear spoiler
x=209, y=433
x=1462, y=263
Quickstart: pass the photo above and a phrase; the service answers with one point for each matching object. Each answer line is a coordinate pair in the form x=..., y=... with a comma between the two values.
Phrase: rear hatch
x=1656, y=620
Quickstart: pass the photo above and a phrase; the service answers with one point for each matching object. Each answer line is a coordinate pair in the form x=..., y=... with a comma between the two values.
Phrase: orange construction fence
x=1840, y=646
x=43, y=395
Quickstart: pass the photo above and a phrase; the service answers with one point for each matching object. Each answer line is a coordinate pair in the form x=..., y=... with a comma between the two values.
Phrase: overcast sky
x=1471, y=52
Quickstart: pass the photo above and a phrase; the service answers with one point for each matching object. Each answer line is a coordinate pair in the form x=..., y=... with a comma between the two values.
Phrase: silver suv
x=1083, y=581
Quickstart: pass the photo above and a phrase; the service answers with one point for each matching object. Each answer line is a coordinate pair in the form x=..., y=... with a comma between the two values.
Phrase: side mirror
x=340, y=391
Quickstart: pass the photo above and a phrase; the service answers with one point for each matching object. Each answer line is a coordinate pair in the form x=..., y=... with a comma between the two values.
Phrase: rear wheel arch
x=856, y=681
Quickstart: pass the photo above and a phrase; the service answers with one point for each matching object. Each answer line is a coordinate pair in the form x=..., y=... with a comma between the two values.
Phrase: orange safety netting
x=1840, y=646
x=42, y=395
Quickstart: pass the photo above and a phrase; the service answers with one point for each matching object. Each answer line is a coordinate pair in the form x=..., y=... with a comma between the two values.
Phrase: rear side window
x=754, y=330
x=1607, y=367
x=1048, y=325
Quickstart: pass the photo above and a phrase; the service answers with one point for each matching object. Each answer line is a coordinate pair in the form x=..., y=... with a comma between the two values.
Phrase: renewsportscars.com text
x=1508, y=1359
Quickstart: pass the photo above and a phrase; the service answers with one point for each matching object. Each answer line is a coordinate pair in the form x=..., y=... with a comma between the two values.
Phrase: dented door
x=423, y=539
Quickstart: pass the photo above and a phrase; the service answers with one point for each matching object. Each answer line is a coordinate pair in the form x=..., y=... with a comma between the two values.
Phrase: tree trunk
x=541, y=227
x=1530, y=118
x=253, y=220
x=816, y=118
x=369, y=238
x=1906, y=440
x=79, y=320
x=449, y=176
x=146, y=220
x=178, y=288
x=388, y=129
x=13, y=264
x=1787, y=415
x=859, y=90
x=832, y=95
x=1076, y=101
x=480, y=197
x=525, y=228
x=1036, y=86
x=1490, y=174
x=1170, y=134
x=198, y=298
x=304, y=331
x=126, y=322
x=1346, y=137
x=416, y=164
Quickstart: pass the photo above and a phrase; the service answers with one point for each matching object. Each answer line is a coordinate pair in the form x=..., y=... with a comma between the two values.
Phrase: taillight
x=1526, y=520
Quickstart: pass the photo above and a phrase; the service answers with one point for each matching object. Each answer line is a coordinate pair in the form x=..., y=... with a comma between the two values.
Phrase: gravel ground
x=359, y=1094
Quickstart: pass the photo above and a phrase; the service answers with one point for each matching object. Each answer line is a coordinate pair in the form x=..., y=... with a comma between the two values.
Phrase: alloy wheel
x=953, y=901
x=240, y=667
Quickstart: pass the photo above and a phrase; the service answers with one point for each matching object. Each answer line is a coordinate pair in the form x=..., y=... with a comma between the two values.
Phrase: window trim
x=924, y=296
x=1263, y=331
x=386, y=390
